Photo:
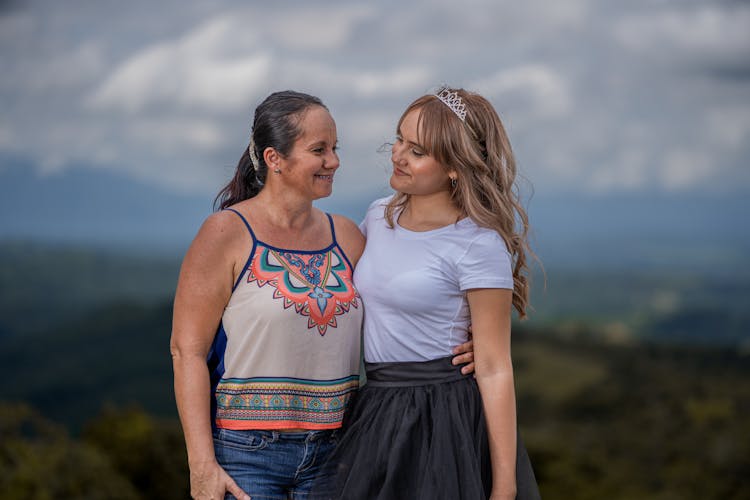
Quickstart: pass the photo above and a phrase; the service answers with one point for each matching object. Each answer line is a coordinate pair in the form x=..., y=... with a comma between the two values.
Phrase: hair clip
x=253, y=154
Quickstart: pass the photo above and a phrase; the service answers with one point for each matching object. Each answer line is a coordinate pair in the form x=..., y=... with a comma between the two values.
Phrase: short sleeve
x=375, y=209
x=486, y=264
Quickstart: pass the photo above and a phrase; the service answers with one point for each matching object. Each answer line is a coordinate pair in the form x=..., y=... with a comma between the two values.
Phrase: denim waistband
x=273, y=436
x=413, y=373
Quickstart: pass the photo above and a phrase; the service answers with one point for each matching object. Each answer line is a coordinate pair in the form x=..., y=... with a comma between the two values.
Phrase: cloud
x=190, y=72
x=686, y=168
x=597, y=96
x=706, y=33
x=545, y=89
x=313, y=28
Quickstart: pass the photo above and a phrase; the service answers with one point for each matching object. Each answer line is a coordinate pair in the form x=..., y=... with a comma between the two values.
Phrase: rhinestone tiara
x=453, y=101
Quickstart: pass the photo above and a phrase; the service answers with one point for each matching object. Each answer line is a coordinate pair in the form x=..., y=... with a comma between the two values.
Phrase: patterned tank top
x=287, y=350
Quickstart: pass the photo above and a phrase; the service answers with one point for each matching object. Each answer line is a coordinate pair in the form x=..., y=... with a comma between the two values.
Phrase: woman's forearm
x=498, y=398
x=192, y=392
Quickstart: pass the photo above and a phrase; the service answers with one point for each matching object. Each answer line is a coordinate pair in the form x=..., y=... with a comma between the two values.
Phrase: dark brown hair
x=275, y=125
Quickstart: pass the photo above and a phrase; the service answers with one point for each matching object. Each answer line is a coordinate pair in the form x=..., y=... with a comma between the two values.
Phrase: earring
x=454, y=182
x=277, y=170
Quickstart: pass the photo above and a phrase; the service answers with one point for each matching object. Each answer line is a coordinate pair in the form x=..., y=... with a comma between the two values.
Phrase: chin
x=324, y=194
x=395, y=184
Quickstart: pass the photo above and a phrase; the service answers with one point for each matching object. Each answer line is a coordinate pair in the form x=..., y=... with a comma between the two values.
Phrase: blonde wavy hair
x=479, y=151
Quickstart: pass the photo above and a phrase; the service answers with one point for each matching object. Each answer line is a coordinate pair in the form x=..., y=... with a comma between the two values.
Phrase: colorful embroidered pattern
x=317, y=285
x=278, y=403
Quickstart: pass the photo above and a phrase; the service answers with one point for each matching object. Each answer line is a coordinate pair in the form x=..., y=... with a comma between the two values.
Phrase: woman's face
x=414, y=171
x=310, y=166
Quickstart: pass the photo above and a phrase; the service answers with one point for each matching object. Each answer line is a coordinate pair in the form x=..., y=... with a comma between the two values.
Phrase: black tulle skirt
x=417, y=431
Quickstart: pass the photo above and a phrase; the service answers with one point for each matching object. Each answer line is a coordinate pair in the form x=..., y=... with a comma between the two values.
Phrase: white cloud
x=704, y=32
x=314, y=27
x=686, y=168
x=193, y=72
x=173, y=135
x=6, y=136
x=169, y=99
x=729, y=127
x=545, y=89
x=628, y=170
x=383, y=82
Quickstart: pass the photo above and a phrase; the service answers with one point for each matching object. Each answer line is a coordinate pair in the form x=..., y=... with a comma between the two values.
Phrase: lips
x=398, y=171
x=328, y=178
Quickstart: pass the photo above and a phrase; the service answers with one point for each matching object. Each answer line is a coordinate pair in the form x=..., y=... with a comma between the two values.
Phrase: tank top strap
x=247, y=225
x=333, y=230
x=252, y=250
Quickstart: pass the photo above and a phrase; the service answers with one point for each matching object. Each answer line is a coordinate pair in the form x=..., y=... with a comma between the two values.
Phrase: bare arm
x=490, y=317
x=350, y=238
x=203, y=290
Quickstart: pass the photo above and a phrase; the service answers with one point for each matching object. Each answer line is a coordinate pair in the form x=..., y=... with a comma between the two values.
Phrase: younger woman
x=448, y=250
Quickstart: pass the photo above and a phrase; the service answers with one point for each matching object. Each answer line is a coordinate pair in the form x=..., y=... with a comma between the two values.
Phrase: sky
x=599, y=96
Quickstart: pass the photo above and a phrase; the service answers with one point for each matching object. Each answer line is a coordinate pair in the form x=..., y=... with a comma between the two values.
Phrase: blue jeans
x=274, y=465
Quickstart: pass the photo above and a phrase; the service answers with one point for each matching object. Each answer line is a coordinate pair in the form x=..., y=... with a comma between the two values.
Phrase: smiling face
x=414, y=171
x=310, y=165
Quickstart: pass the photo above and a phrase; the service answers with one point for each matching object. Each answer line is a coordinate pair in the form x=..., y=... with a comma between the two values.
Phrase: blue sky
x=599, y=96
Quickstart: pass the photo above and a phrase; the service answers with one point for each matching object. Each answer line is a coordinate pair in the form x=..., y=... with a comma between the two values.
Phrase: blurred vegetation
x=607, y=409
x=42, y=285
x=122, y=455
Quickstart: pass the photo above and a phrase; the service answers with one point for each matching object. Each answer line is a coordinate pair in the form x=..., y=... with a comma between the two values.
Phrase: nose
x=331, y=160
x=396, y=152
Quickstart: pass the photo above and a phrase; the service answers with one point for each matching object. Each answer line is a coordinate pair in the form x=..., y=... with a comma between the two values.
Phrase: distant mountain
x=625, y=231
x=95, y=207
x=44, y=285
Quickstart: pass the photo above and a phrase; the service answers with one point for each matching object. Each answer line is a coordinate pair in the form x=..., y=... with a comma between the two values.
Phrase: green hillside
x=44, y=285
x=600, y=420
x=612, y=402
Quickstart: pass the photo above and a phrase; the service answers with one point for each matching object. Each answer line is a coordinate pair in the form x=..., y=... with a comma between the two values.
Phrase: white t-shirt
x=413, y=284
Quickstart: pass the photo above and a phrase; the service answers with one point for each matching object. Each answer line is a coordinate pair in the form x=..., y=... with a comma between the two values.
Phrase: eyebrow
x=321, y=143
x=398, y=132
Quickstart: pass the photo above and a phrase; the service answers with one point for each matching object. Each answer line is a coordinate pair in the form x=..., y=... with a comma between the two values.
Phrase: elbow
x=178, y=352
x=494, y=369
x=174, y=349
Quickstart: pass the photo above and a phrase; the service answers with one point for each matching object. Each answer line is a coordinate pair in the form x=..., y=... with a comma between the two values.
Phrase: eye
x=399, y=139
x=417, y=153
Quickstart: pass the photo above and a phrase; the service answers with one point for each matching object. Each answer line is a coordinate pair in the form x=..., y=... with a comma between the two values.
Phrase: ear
x=272, y=158
x=452, y=175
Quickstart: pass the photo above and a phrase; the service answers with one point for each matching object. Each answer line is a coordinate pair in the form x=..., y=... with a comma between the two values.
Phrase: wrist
x=201, y=463
x=504, y=494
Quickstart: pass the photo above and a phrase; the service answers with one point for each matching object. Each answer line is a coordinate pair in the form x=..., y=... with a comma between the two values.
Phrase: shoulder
x=349, y=237
x=221, y=239
x=481, y=239
x=485, y=261
x=377, y=207
x=224, y=225
x=345, y=226
x=380, y=203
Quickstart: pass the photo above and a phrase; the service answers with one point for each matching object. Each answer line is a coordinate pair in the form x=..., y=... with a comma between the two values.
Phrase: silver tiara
x=453, y=101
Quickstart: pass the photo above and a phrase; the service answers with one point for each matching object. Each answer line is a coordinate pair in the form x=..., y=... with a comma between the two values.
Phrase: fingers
x=467, y=357
x=236, y=490
x=466, y=347
x=231, y=486
x=469, y=368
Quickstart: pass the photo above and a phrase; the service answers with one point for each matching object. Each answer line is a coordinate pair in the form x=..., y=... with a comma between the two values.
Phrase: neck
x=284, y=210
x=433, y=210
